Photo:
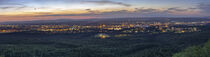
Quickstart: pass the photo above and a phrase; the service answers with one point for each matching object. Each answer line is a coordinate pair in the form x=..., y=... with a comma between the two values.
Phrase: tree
x=195, y=51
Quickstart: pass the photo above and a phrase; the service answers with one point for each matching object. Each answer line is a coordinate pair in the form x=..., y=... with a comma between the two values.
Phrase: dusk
x=104, y=28
x=16, y=10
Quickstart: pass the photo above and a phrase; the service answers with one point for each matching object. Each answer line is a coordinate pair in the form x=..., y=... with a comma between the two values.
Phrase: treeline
x=195, y=51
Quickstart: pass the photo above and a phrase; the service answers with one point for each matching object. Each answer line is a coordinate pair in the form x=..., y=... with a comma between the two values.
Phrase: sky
x=26, y=10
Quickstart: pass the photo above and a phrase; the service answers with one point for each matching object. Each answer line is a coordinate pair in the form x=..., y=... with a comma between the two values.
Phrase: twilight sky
x=25, y=10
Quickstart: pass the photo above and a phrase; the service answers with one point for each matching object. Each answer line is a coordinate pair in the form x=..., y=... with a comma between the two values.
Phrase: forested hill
x=87, y=45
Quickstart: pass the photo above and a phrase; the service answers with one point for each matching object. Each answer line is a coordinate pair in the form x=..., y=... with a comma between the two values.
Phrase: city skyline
x=26, y=10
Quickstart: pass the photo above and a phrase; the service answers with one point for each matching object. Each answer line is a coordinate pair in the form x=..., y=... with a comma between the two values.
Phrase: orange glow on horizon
x=30, y=18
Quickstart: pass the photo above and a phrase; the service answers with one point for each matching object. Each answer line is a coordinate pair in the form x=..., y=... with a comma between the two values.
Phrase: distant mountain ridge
x=109, y=20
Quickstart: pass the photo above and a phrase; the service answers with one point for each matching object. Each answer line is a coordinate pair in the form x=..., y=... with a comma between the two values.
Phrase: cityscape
x=151, y=27
x=124, y=29
x=104, y=28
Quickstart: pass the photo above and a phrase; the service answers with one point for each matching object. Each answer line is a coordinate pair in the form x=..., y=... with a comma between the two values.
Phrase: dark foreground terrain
x=25, y=44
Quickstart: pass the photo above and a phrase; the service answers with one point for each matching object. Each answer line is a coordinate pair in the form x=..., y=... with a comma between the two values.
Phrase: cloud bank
x=105, y=2
x=204, y=7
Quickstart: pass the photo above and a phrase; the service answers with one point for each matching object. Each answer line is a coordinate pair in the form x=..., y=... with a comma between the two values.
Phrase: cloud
x=138, y=13
x=5, y=7
x=12, y=6
x=177, y=9
x=142, y=12
x=204, y=7
x=8, y=4
x=151, y=12
x=103, y=2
